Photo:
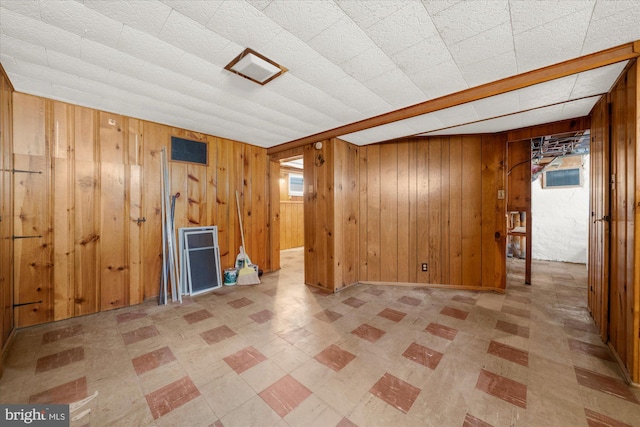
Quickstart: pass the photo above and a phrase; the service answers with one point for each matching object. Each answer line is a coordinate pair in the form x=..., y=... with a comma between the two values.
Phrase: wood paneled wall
x=291, y=224
x=434, y=201
x=96, y=174
x=6, y=216
x=616, y=123
x=331, y=213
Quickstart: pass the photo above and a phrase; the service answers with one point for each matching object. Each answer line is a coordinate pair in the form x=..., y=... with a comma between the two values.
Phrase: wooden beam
x=573, y=66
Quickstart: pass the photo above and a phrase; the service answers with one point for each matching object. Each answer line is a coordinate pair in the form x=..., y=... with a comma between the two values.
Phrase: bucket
x=230, y=276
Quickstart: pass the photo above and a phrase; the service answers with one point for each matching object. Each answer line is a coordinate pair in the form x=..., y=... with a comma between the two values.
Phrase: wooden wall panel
x=291, y=224
x=434, y=201
x=86, y=237
x=6, y=212
x=32, y=222
x=97, y=206
x=345, y=214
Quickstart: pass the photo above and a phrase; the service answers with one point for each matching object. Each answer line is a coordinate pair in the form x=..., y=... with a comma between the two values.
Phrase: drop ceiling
x=347, y=61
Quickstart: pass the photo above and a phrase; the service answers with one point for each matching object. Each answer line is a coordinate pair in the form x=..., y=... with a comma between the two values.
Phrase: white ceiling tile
x=378, y=134
x=74, y=96
x=40, y=33
x=579, y=108
x=147, y=16
x=496, y=40
x=22, y=7
x=154, y=74
x=553, y=42
x=259, y=4
x=396, y=88
x=243, y=24
x=199, y=11
x=469, y=18
x=78, y=19
x=456, y=115
x=497, y=105
x=289, y=51
x=48, y=74
x=423, y=55
x=199, y=69
x=423, y=123
x=367, y=13
x=434, y=7
x=597, y=81
x=304, y=18
x=490, y=69
x=360, y=67
x=527, y=15
x=341, y=41
x=402, y=29
x=71, y=65
x=148, y=48
x=23, y=50
x=547, y=93
x=184, y=33
x=30, y=85
x=613, y=23
x=358, y=96
x=112, y=59
x=9, y=64
x=440, y=80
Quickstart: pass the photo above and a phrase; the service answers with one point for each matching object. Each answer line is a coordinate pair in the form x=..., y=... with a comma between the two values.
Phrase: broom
x=246, y=275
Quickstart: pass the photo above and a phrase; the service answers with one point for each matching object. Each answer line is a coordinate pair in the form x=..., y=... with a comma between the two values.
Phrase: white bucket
x=230, y=276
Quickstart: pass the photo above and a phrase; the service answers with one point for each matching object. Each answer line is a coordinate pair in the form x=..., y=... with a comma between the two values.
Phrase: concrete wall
x=560, y=221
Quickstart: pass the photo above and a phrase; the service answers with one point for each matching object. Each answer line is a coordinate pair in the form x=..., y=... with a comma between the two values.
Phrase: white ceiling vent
x=255, y=67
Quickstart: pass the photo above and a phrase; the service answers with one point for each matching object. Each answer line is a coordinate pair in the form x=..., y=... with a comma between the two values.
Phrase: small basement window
x=296, y=185
x=562, y=178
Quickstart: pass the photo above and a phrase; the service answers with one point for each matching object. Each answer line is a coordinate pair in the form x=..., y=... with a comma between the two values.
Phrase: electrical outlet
x=500, y=194
x=425, y=266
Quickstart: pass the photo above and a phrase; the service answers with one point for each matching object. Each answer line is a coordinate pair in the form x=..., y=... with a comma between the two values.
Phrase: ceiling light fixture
x=255, y=67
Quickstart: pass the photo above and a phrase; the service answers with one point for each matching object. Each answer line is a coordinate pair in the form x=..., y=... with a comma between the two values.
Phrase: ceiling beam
x=573, y=66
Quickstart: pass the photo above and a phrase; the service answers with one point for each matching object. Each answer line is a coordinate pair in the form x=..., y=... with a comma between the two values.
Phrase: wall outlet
x=500, y=194
x=425, y=266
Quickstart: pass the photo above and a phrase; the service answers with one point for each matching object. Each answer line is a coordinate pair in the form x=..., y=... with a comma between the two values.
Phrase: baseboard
x=623, y=369
x=5, y=349
x=436, y=286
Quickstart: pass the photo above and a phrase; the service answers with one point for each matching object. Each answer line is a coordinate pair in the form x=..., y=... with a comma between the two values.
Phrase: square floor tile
x=127, y=317
x=171, y=396
x=294, y=335
x=218, y=334
x=262, y=316
x=285, y=395
x=526, y=314
x=374, y=291
x=334, y=357
x=197, y=316
x=454, y=312
x=441, y=331
x=395, y=392
x=471, y=421
x=152, y=360
x=591, y=349
x=391, y=314
x=328, y=316
x=346, y=422
x=59, y=359
x=512, y=328
x=595, y=419
x=502, y=388
x=605, y=384
x=354, y=302
x=244, y=359
x=509, y=353
x=423, y=355
x=240, y=302
x=70, y=392
x=463, y=299
x=60, y=334
x=140, y=334
x=409, y=301
x=368, y=332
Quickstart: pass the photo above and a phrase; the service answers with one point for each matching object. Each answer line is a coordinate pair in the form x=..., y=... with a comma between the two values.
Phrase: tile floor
x=283, y=354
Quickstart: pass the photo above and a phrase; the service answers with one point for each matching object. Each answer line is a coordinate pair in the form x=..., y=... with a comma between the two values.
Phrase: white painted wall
x=560, y=221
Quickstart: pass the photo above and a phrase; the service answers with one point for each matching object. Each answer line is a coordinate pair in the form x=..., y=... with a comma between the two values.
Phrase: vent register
x=255, y=67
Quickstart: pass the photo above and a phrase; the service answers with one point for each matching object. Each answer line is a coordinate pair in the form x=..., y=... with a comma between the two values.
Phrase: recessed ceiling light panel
x=255, y=67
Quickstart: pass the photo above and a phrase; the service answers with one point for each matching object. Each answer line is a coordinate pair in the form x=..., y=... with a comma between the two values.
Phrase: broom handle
x=244, y=248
